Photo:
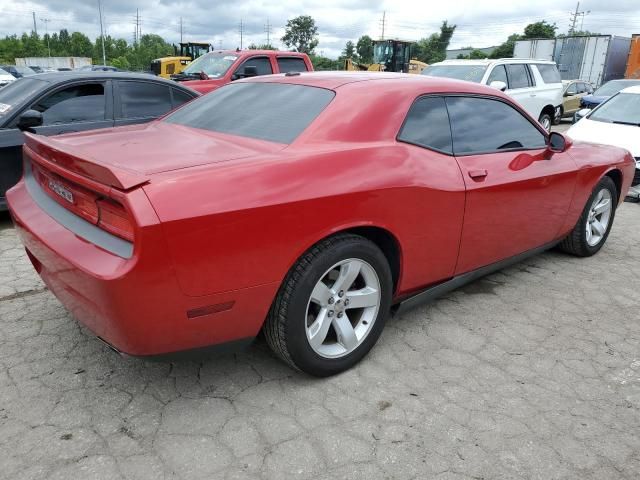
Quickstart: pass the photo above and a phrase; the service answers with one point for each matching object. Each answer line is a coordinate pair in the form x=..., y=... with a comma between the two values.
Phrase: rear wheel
x=332, y=306
x=545, y=121
x=592, y=230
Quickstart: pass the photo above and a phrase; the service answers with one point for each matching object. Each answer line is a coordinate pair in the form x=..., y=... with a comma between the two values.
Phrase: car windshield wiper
x=635, y=124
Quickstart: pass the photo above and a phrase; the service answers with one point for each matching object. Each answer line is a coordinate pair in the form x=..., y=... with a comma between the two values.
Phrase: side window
x=143, y=99
x=291, y=64
x=79, y=103
x=498, y=74
x=549, y=73
x=263, y=64
x=180, y=97
x=483, y=125
x=573, y=89
x=427, y=125
x=518, y=76
x=588, y=88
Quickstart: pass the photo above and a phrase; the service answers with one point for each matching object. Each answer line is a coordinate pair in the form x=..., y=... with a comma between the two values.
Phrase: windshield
x=214, y=64
x=623, y=108
x=25, y=71
x=17, y=92
x=470, y=73
x=613, y=87
x=382, y=52
x=4, y=72
x=276, y=112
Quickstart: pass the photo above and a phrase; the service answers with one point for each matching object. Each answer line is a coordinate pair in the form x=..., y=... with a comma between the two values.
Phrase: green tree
x=80, y=45
x=324, y=63
x=349, y=51
x=301, y=33
x=434, y=48
x=540, y=30
x=364, y=49
x=505, y=50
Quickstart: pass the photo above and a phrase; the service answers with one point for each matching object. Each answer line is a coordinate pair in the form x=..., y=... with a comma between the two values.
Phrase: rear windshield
x=276, y=112
x=613, y=87
x=17, y=92
x=470, y=73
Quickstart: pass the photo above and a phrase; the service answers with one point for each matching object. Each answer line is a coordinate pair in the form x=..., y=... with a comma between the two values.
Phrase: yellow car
x=573, y=91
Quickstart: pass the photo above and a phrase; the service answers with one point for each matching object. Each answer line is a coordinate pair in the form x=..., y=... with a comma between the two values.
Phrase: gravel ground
x=531, y=373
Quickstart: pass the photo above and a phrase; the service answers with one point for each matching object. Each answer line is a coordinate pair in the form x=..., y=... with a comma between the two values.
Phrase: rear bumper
x=133, y=304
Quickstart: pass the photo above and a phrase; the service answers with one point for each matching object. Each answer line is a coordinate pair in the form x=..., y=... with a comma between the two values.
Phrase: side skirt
x=440, y=289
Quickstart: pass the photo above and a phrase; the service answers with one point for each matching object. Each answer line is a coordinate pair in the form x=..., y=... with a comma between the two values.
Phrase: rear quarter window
x=275, y=112
x=291, y=65
x=549, y=73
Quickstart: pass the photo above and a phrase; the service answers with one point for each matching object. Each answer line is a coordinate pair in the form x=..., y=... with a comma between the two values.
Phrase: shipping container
x=596, y=58
x=540, y=49
x=633, y=62
x=54, y=62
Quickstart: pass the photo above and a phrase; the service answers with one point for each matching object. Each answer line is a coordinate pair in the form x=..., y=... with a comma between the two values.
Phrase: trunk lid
x=127, y=157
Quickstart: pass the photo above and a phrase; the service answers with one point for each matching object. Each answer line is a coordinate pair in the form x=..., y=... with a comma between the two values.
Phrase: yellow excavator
x=389, y=56
x=189, y=51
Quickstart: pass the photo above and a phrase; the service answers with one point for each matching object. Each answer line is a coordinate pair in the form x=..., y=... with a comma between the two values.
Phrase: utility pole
x=35, y=27
x=383, y=22
x=46, y=29
x=241, y=33
x=574, y=19
x=267, y=29
x=104, y=56
x=220, y=44
x=180, y=29
x=136, y=28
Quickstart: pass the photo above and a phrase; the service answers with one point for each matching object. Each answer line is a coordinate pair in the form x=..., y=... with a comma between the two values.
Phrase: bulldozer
x=389, y=56
x=188, y=51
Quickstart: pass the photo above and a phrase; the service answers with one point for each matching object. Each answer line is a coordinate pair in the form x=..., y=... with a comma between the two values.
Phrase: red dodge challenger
x=305, y=205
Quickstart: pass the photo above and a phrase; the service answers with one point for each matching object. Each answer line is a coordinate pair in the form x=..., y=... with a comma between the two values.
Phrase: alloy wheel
x=343, y=307
x=599, y=217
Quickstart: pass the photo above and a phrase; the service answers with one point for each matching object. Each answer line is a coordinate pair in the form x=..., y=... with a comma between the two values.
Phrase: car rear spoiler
x=69, y=158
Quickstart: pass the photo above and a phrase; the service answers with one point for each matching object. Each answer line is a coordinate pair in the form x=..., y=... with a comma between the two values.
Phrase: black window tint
x=79, y=103
x=180, y=97
x=144, y=99
x=427, y=125
x=485, y=125
x=518, y=76
x=291, y=65
x=498, y=74
x=275, y=112
x=263, y=64
x=549, y=73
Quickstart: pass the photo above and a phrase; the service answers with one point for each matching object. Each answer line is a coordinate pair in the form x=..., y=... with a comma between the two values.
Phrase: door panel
x=11, y=140
x=520, y=204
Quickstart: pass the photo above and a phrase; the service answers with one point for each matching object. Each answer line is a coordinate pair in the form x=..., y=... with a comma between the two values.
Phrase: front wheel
x=594, y=225
x=332, y=306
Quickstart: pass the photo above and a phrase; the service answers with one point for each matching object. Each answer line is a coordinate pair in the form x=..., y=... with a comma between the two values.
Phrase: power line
x=46, y=29
x=383, y=22
x=267, y=29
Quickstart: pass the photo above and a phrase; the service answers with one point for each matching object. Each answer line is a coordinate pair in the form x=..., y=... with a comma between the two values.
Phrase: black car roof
x=59, y=77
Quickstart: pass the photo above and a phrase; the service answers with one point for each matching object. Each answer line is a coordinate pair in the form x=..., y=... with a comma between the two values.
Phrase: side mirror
x=583, y=112
x=30, y=119
x=250, y=71
x=557, y=142
x=498, y=85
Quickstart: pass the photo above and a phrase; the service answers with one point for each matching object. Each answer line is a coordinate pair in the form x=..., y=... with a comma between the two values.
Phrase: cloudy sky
x=479, y=23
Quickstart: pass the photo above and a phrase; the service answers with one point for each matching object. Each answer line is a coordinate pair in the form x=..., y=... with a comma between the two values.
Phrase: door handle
x=478, y=174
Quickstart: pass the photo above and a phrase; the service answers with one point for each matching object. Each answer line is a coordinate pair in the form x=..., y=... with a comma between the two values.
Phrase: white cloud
x=479, y=23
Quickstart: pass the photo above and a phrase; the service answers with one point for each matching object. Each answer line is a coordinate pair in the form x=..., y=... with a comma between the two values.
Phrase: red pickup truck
x=220, y=67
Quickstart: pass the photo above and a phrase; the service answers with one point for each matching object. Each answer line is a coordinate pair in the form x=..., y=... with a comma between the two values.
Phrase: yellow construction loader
x=389, y=56
x=189, y=51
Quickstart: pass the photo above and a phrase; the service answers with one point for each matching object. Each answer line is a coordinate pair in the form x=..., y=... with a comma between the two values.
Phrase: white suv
x=535, y=84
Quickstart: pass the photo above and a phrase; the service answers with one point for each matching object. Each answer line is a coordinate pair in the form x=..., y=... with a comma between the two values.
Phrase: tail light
x=115, y=219
x=106, y=213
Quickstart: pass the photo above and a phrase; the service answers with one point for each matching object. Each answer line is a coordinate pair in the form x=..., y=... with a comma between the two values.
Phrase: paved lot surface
x=531, y=373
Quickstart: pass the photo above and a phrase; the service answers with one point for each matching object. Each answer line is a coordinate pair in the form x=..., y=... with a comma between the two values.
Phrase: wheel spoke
x=365, y=297
x=602, y=206
x=598, y=227
x=346, y=334
x=319, y=328
x=320, y=293
x=348, y=273
x=589, y=233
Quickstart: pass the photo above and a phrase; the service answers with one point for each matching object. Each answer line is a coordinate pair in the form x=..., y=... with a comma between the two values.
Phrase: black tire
x=545, y=117
x=285, y=327
x=576, y=242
